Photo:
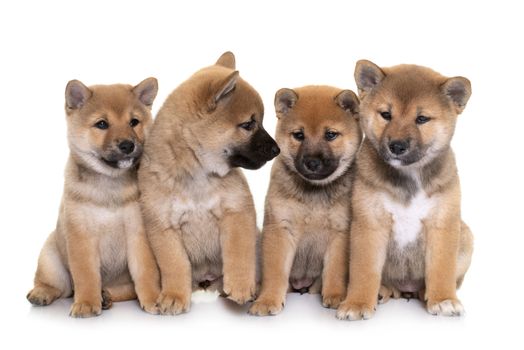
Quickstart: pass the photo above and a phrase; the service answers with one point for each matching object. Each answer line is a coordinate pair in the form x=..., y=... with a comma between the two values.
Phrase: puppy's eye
x=331, y=135
x=298, y=135
x=250, y=125
x=386, y=115
x=134, y=122
x=101, y=124
x=421, y=119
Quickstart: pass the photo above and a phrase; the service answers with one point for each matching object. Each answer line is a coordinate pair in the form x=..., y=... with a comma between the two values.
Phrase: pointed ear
x=76, y=94
x=146, y=91
x=285, y=99
x=458, y=90
x=348, y=101
x=226, y=60
x=225, y=87
x=367, y=76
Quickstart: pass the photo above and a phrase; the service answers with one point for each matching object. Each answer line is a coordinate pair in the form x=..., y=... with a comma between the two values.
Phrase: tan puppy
x=197, y=207
x=99, y=241
x=407, y=232
x=306, y=226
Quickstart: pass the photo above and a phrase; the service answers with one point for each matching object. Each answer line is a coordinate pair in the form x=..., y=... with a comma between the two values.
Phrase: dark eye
x=134, y=122
x=422, y=119
x=102, y=125
x=386, y=115
x=250, y=125
x=331, y=135
x=298, y=135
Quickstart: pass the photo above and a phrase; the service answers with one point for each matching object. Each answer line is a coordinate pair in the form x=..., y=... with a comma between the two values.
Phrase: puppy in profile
x=407, y=235
x=99, y=251
x=197, y=207
x=307, y=216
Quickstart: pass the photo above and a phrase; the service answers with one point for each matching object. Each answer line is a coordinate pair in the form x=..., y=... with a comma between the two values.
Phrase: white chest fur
x=194, y=203
x=407, y=218
x=183, y=206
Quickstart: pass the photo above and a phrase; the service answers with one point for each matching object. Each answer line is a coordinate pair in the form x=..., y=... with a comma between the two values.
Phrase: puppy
x=197, y=207
x=99, y=242
x=306, y=226
x=407, y=233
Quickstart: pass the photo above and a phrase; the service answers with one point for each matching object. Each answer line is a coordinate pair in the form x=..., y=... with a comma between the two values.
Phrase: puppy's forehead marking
x=317, y=111
x=409, y=87
x=116, y=100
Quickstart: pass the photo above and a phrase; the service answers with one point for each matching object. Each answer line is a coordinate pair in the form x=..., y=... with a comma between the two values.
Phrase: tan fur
x=99, y=242
x=392, y=199
x=306, y=224
x=198, y=210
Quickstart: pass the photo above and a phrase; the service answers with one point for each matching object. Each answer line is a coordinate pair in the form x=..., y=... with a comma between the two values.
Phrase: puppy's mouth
x=407, y=159
x=239, y=160
x=124, y=163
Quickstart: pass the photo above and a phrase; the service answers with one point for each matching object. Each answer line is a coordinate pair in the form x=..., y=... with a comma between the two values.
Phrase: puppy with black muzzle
x=99, y=250
x=407, y=236
x=197, y=207
x=307, y=216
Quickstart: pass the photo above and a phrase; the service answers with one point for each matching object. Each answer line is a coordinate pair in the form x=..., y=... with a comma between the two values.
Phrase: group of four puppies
x=157, y=210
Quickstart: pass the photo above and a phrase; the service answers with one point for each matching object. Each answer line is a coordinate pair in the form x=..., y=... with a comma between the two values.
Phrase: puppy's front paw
x=332, y=301
x=350, y=310
x=266, y=307
x=42, y=296
x=447, y=307
x=241, y=291
x=85, y=309
x=173, y=303
x=150, y=306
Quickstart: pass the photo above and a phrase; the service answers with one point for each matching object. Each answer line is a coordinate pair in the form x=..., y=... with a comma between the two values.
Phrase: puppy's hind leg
x=386, y=293
x=465, y=253
x=52, y=280
x=116, y=293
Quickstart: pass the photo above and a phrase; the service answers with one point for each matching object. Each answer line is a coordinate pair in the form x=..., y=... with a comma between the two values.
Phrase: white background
x=44, y=44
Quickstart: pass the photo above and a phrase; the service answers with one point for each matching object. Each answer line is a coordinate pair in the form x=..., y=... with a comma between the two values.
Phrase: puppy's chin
x=312, y=177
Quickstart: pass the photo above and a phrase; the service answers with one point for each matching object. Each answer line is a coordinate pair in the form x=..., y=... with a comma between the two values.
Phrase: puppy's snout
x=398, y=147
x=126, y=146
x=269, y=148
x=312, y=164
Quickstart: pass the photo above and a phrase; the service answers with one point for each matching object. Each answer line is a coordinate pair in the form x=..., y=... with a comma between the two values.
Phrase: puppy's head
x=226, y=125
x=409, y=112
x=107, y=124
x=318, y=131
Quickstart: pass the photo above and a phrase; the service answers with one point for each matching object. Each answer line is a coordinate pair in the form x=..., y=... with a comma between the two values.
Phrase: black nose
x=275, y=151
x=126, y=146
x=312, y=164
x=398, y=147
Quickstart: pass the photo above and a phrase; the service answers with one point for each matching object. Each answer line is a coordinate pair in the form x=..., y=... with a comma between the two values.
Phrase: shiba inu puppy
x=306, y=225
x=197, y=207
x=407, y=234
x=99, y=250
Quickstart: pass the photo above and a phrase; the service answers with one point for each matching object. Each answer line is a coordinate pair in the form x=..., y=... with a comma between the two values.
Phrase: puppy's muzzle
x=316, y=167
x=256, y=153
